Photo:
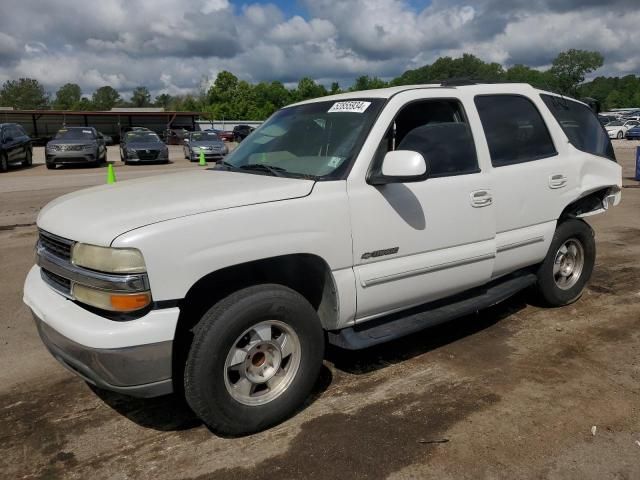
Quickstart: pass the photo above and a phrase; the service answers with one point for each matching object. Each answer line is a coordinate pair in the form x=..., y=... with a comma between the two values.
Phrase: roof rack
x=457, y=82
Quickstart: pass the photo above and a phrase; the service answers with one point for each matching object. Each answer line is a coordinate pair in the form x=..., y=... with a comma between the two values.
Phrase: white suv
x=353, y=219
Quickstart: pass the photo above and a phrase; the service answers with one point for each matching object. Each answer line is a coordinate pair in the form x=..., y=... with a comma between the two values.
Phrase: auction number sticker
x=349, y=107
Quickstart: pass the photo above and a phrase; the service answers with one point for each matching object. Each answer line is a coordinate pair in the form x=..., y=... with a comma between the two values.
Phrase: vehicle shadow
x=172, y=413
x=397, y=351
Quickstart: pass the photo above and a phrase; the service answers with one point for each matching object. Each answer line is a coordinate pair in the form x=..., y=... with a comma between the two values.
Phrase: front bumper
x=131, y=357
x=208, y=155
x=150, y=157
x=68, y=158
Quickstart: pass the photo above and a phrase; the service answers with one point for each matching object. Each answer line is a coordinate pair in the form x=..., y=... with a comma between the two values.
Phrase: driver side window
x=438, y=129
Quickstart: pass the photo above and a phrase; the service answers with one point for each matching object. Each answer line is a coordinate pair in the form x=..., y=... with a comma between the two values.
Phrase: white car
x=619, y=128
x=351, y=219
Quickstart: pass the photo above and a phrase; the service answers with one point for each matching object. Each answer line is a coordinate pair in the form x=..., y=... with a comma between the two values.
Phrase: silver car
x=76, y=146
x=206, y=142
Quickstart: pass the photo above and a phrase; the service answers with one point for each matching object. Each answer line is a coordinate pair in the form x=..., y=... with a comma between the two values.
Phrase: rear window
x=581, y=126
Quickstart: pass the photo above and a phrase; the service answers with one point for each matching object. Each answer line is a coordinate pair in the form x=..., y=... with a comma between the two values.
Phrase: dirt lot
x=511, y=393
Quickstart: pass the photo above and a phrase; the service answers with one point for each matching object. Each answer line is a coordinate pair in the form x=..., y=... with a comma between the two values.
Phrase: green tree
x=84, y=104
x=569, y=69
x=367, y=83
x=105, y=98
x=67, y=96
x=335, y=88
x=23, y=94
x=141, y=97
x=307, y=89
x=163, y=100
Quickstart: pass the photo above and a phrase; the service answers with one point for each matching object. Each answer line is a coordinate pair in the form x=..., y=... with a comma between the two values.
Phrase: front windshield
x=315, y=140
x=75, y=134
x=615, y=124
x=143, y=138
x=204, y=137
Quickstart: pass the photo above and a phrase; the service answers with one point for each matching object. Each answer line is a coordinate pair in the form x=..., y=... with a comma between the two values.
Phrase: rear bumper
x=131, y=357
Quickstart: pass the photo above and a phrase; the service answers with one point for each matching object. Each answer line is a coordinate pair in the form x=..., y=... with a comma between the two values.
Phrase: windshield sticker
x=335, y=162
x=87, y=131
x=349, y=107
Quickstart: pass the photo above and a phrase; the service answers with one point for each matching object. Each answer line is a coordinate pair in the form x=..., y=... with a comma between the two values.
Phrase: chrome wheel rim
x=568, y=264
x=262, y=363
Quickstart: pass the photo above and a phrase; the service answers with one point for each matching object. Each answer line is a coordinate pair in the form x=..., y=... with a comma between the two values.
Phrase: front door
x=418, y=242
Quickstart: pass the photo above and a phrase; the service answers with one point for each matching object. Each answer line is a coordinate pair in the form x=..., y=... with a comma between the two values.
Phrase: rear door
x=418, y=242
x=531, y=180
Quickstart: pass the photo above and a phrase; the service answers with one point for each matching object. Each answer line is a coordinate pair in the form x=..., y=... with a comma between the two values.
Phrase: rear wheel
x=568, y=265
x=51, y=166
x=254, y=359
x=620, y=135
x=4, y=164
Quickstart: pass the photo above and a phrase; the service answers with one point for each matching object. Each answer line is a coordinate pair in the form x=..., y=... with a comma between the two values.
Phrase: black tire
x=217, y=333
x=28, y=159
x=51, y=166
x=620, y=135
x=122, y=157
x=573, y=232
x=126, y=162
x=4, y=163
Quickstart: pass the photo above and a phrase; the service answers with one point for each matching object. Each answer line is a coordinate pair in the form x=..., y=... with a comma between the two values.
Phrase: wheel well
x=309, y=275
x=588, y=203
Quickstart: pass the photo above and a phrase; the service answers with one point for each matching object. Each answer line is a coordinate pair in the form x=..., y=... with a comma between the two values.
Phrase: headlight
x=111, y=260
x=112, y=301
x=131, y=152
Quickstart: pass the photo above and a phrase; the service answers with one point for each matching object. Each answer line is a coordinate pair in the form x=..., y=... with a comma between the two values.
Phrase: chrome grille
x=148, y=154
x=61, y=284
x=58, y=246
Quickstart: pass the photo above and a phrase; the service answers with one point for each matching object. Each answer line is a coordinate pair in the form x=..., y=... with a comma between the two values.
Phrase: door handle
x=481, y=198
x=557, y=180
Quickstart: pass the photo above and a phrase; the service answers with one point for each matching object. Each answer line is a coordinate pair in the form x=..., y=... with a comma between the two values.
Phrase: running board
x=410, y=321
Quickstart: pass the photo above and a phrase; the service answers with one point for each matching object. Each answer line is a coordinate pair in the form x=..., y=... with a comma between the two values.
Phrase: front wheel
x=254, y=359
x=620, y=135
x=568, y=265
x=4, y=163
x=28, y=159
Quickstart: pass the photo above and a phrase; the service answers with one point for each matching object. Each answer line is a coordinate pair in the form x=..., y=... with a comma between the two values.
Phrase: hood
x=217, y=143
x=98, y=215
x=145, y=145
x=614, y=127
x=71, y=141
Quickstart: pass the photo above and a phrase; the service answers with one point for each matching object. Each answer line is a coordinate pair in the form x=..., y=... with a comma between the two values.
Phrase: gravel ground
x=513, y=392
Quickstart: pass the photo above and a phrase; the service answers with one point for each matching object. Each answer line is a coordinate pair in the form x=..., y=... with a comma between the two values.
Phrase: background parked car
x=175, y=136
x=76, y=146
x=240, y=132
x=15, y=146
x=207, y=142
x=141, y=147
x=108, y=139
x=633, y=133
x=605, y=119
x=619, y=128
x=226, y=135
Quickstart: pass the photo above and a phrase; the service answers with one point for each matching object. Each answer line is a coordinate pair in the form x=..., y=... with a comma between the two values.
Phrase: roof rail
x=457, y=82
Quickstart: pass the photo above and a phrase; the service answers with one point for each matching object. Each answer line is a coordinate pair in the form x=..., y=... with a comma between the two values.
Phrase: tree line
x=231, y=98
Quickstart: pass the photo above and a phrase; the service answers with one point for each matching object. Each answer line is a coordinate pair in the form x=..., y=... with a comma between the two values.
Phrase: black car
x=240, y=132
x=143, y=146
x=76, y=146
x=15, y=146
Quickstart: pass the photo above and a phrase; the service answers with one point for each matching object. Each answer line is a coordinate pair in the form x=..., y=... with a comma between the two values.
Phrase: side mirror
x=186, y=140
x=401, y=166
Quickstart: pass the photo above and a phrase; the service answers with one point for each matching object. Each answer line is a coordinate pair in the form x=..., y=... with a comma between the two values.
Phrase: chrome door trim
x=421, y=271
x=521, y=243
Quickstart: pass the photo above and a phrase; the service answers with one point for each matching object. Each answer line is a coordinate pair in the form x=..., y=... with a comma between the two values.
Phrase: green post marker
x=203, y=162
x=111, y=175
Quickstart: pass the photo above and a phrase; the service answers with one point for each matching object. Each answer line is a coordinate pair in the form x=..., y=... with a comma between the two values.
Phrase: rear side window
x=514, y=128
x=581, y=126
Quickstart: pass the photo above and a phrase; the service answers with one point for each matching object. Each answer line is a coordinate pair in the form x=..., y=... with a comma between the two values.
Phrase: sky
x=173, y=47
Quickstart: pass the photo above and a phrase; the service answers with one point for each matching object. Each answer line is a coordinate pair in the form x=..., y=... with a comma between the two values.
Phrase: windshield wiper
x=274, y=171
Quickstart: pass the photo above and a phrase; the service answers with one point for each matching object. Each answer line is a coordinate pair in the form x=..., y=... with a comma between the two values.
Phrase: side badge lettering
x=380, y=253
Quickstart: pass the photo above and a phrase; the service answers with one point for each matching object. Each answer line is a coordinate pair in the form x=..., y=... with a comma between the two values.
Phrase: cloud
x=169, y=46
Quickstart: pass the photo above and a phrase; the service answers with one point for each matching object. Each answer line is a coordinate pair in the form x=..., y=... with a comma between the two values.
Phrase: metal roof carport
x=43, y=124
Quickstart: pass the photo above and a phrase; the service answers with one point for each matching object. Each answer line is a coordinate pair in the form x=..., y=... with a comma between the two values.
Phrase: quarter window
x=581, y=126
x=436, y=129
x=514, y=129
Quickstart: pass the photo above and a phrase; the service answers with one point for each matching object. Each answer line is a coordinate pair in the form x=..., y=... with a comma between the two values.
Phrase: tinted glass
x=581, y=126
x=142, y=137
x=439, y=131
x=514, y=129
x=204, y=137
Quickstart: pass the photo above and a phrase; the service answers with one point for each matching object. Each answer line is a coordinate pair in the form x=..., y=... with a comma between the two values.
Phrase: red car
x=225, y=135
